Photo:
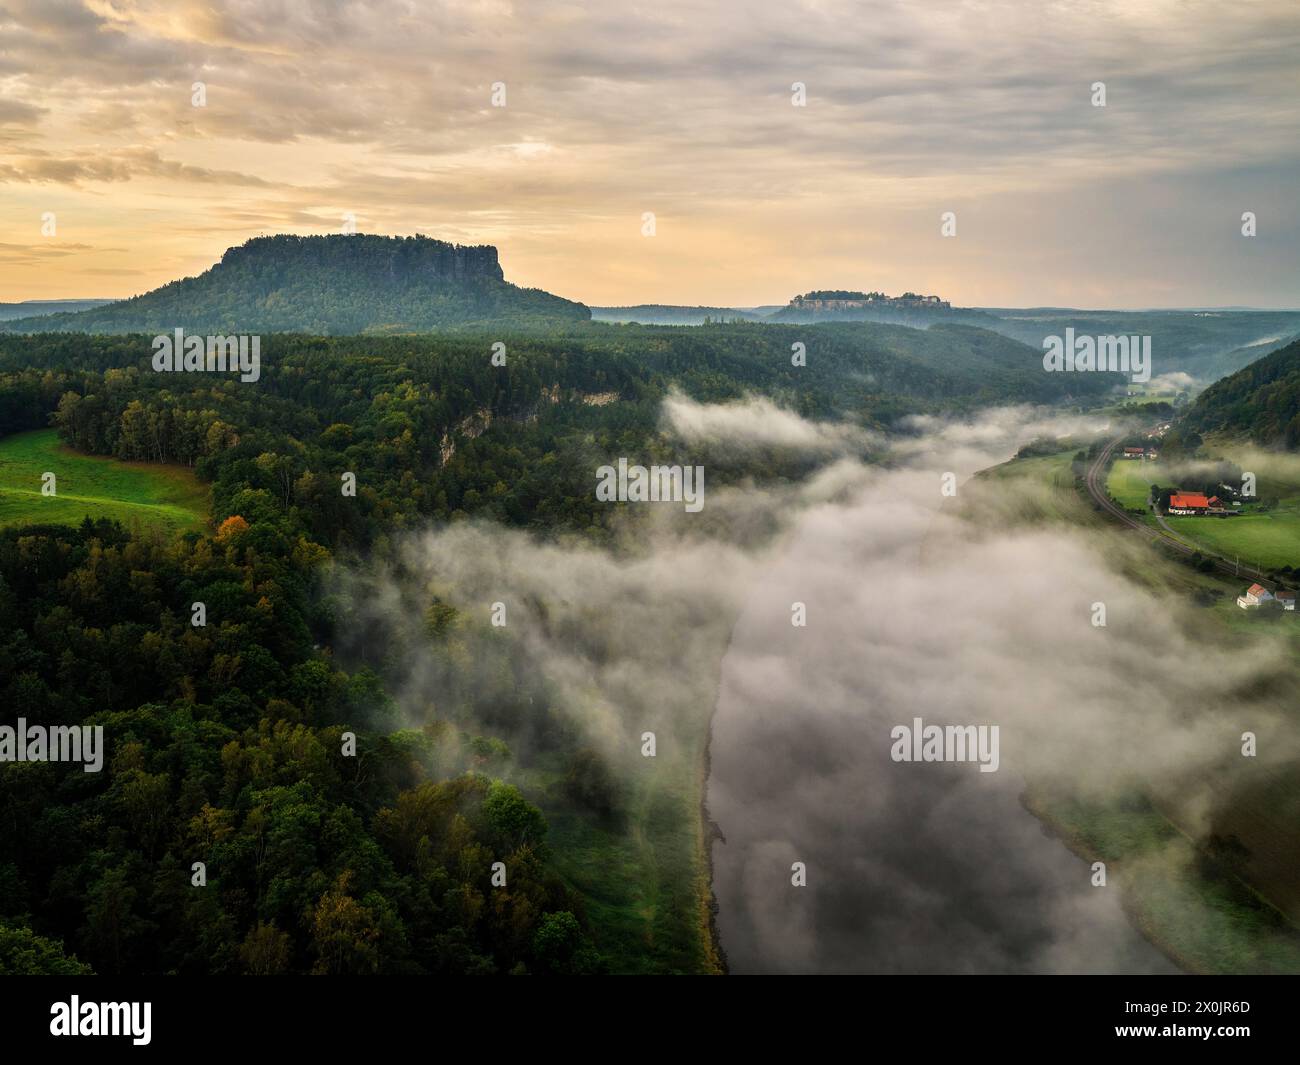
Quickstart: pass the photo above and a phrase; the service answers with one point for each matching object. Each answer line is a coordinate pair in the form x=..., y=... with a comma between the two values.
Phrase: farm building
x=1188, y=503
x=1257, y=595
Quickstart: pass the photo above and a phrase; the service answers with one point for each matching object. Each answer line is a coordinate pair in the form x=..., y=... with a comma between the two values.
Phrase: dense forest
x=228, y=740
x=432, y=429
x=1260, y=402
x=227, y=749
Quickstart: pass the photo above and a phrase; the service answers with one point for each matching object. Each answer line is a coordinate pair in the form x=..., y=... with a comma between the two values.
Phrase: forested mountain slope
x=332, y=284
x=1260, y=402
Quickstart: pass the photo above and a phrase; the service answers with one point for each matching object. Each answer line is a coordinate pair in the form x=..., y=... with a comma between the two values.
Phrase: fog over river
x=912, y=611
x=910, y=867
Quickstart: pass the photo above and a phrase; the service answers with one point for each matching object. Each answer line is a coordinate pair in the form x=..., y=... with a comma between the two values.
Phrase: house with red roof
x=1257, y=595
x=1188, y=503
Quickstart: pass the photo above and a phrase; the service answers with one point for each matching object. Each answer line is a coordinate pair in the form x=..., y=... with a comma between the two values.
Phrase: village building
x=1287, y=599
x=1188, y=503
x=1192, y=503
x=1257, y=595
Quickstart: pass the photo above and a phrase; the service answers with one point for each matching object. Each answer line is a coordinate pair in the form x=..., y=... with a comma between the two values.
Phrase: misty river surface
x=911, y=867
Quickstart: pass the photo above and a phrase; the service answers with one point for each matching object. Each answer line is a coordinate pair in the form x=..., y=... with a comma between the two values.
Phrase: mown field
x=1267, y=540
x=138, y=494
x=1130, y=483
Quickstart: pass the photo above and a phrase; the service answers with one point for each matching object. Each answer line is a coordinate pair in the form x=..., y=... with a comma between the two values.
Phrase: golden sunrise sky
x=615, y=108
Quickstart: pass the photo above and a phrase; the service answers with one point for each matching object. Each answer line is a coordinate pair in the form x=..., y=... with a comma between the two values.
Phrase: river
x=910, y=867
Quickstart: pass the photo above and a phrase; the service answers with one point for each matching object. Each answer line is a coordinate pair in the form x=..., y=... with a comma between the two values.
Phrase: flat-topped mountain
x=910, y=308
x=850, y=299
x=353, y=283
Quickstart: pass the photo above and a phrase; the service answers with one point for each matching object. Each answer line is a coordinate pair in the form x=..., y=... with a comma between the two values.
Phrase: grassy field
x=1208, y=916
x=138, y=494
x=1267, y=538
x=1026, y=491
x=1129, y=483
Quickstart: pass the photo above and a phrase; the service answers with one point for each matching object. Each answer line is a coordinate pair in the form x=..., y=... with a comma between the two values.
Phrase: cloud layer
x=384, y=109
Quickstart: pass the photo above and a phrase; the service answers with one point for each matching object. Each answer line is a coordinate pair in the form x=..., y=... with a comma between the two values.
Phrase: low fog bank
x=911, y=867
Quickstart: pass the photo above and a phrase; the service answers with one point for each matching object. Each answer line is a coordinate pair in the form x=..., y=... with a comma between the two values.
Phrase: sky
x=315, y=110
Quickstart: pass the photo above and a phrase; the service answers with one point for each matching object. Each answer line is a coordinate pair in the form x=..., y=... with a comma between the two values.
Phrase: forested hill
x=1260, y=402
x=868, y=372
x=328, y=285
x=226, y=738
x=397, y=409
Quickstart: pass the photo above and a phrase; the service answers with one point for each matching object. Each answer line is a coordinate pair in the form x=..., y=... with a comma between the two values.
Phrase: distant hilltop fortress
x=840, y=300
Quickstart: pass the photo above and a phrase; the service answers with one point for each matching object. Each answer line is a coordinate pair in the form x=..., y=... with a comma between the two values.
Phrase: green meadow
x=138, y=494
x=1268, y=538
x=1129, y=483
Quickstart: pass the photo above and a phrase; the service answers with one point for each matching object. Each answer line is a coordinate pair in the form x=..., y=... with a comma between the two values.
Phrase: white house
x=1257, y=595
x=1287, y=599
